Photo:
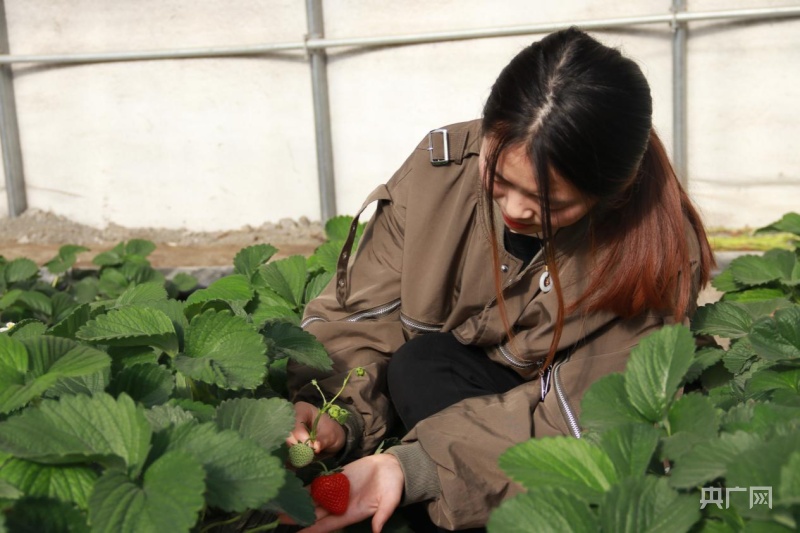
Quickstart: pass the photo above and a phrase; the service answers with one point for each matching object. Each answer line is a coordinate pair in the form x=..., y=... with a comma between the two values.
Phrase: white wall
x=220, y=143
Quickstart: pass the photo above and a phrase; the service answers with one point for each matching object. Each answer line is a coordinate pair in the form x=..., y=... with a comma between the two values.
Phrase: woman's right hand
x=330, y=434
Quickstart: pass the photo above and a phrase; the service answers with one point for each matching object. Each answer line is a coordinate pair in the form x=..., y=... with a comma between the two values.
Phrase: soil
x=38, y=235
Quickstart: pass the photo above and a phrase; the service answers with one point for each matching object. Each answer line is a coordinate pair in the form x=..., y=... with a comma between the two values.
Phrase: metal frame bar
x=315, y=42
x=322, y=114
x=9, y=131
x=679, y=84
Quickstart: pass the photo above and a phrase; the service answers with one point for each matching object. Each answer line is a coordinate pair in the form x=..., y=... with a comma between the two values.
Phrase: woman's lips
x=513, y=224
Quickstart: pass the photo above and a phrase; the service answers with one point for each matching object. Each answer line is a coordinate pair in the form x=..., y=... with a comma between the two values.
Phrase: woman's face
x=516, y=192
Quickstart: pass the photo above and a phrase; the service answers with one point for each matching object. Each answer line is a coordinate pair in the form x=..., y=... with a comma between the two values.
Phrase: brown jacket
x=424, y=264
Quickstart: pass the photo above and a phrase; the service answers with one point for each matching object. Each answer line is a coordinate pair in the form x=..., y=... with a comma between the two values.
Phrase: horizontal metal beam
x=480, y=33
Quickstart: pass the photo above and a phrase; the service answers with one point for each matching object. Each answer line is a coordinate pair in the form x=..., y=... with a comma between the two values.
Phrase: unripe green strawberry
x=331, y=492
x=301, y=455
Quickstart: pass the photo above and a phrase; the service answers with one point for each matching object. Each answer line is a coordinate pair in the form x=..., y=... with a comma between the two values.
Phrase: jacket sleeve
x=356, y=318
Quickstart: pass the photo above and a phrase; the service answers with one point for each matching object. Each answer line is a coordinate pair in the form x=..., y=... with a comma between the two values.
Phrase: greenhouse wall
x=220, y=143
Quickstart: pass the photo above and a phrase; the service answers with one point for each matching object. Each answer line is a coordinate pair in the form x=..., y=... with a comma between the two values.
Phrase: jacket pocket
x=374, y=313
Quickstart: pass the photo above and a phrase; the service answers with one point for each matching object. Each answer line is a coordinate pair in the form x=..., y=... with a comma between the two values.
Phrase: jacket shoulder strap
x=446, y=146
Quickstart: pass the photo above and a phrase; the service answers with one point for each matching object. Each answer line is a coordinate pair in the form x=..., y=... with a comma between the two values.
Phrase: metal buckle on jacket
x=445, y=159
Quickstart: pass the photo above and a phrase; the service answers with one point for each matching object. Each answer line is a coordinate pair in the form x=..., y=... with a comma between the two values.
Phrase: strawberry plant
x=123, y=408
x=684, y=440
x=302, y=453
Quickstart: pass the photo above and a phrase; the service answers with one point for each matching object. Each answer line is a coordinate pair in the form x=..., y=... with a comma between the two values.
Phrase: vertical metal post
x=322, y=115
x=9, y=130
x=679, y=143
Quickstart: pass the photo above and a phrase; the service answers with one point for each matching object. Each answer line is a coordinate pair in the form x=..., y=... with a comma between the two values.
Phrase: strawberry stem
x=327, y=404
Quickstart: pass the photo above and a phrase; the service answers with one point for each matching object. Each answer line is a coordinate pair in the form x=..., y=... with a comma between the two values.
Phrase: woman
x=502, y=274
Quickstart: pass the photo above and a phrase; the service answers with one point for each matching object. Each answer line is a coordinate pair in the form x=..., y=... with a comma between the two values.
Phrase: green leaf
x=108, y=258
x=70, y=324
x=27, y=329
x=21, y=269
x=326, y=256
x=265, y=421
x=338, y=228
x=738, y=357
x=132, y=326
x=80, y=428
x=287, y=277
x=8, y=492
x=789, y=488
x=63, y=305
x=777, y=338
x=725, y=319
x=112, y=282
x=605, y=405
x=762, y=466
x=692, y=419
x=67, y=255
x=184, y=281
x=163, y=416
x=140, y=247
x=762, y=419
x=724, y=282
x=249, y=259
x=709, y=461
x=317, y=285
x=789, y=223
x=774, y=265
x=174, y=310
x=561, y=462
x=65, y=357
x=289, y=340
x=147, y=383
x=201, y=411
x=86, y=290
x=543, y=511
x=9, y=298
x=769, y=380
x=169, y=498
x=655, y=369
x=294, y=501
x=35, y=301
x=240, y=474
x=48, y=359
x=233, y=288
x=265, y=298
x=142, y=294
x=223, y=350
x=763, y=294
x=65, y=483
x=630, y=448
x=13, y=355
x=703, y=360
x=45, y=516
x=89, y=384
x=647, y=504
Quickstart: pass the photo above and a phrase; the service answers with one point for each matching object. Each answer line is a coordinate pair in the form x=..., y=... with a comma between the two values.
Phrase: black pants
x=435, y=371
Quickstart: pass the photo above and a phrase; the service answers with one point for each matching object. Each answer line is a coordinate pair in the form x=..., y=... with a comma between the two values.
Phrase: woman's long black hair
x=583, y=111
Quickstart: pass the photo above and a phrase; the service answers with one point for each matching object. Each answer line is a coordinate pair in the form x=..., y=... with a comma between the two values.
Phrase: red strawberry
x=331, y=492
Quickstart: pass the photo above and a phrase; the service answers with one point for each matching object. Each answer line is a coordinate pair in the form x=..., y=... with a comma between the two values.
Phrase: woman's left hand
x=376, y=487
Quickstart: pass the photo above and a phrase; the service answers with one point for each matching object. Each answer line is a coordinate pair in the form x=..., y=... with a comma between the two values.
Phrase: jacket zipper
x=419, y=326
x=563, y=402
x=514, y=361
x=375, y=312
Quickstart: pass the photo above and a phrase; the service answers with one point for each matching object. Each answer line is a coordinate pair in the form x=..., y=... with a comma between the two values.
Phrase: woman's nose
x=517, y=207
